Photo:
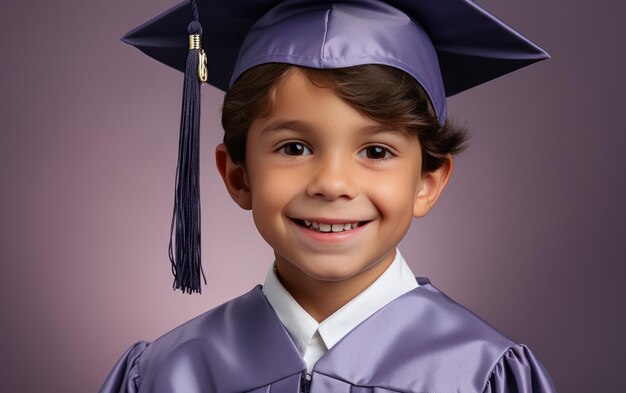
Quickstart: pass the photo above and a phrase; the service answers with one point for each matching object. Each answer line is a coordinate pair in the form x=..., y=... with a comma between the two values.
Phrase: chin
x=332, y=272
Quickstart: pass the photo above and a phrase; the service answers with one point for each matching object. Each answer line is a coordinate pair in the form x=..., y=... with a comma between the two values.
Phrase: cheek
x=272, y=189
x=394, y=193
x=266, y=205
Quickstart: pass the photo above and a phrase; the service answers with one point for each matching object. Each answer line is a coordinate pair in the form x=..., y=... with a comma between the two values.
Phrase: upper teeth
x=323, y=227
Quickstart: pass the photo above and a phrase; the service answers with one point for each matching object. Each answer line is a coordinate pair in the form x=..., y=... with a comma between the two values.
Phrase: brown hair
x=395, y=99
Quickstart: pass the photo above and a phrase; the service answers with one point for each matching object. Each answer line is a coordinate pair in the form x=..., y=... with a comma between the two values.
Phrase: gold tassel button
x=195, y=43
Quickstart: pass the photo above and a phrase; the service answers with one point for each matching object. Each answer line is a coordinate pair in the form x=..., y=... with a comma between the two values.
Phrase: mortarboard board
x=448, y=46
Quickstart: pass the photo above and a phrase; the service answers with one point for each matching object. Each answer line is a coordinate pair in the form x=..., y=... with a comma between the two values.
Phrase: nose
x=332, y=178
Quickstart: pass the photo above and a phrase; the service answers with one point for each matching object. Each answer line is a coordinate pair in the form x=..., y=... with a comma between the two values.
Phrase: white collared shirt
x=314, y=339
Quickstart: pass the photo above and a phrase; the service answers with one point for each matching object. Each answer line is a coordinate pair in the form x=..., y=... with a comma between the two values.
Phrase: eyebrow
x=278, y=125
x=301, y=126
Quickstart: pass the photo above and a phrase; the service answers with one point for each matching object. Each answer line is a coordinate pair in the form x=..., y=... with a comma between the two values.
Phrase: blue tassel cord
x=184, y=246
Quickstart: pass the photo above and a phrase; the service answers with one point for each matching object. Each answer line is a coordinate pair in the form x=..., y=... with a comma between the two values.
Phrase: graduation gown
x=421, y=342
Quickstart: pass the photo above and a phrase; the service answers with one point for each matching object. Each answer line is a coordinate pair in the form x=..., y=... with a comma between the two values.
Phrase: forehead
x=298, y=99
x=295, y=89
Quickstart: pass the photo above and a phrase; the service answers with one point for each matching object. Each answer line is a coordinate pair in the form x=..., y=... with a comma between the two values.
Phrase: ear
x=234, y=176
x=430, y=187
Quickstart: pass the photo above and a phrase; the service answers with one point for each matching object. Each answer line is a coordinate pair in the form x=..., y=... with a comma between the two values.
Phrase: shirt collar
x=300, y=325
x=397, y=280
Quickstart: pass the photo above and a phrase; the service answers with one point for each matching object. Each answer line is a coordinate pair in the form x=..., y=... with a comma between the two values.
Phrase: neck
x=322, y=298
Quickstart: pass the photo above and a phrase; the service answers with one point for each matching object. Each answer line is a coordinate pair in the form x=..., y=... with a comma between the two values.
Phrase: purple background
x=529, y=234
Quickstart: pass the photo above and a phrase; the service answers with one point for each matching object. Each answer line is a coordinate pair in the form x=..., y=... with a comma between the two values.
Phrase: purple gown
x=422, y=342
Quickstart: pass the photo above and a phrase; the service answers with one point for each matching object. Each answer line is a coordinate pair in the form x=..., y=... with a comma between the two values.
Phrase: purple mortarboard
x=448, y=46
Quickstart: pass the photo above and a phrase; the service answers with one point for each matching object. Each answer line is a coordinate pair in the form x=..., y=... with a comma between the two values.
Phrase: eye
x=376, y=152
x=294, y=149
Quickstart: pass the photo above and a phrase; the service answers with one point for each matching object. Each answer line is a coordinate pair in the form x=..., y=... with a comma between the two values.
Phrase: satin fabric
x=313, y=339
x=453, y=45
x=422, y=342
x=337, y=35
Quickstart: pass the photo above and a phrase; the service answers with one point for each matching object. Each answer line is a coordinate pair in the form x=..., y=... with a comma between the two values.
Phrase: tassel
x=184, y=246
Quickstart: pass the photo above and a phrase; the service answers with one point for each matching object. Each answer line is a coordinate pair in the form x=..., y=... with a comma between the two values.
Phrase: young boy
x=335, y=138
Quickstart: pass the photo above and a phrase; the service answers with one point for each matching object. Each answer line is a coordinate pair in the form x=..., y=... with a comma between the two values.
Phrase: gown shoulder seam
x=499, y=360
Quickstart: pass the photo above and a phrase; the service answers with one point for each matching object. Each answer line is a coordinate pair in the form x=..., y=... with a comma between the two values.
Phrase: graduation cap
x=448, y=46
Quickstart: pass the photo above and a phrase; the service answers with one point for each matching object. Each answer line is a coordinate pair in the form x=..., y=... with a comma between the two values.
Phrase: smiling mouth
x=329, y=228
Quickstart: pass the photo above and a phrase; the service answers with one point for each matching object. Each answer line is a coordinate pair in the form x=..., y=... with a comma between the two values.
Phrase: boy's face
x=331, y=191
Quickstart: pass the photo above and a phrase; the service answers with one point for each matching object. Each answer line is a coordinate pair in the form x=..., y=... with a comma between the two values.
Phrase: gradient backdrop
x=529, y=234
